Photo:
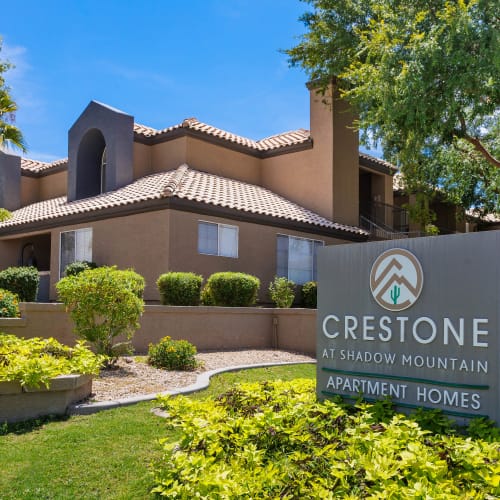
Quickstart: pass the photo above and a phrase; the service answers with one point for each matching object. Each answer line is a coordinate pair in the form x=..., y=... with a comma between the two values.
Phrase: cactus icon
x=395, y=293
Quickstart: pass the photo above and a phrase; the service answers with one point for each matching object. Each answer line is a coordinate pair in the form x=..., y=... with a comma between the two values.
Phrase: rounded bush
x=9, y=305
x=172, y=354
x=233, y=289
x=310, y=294
x=77, y=267
x=282, y=292
x=23, y=281
x=180, y=289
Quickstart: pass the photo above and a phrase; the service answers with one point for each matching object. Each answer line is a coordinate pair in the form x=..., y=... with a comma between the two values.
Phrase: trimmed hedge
x=23, y=281
x=9, y=305
x=229, y=289
x=179, y=289
x=310, y=294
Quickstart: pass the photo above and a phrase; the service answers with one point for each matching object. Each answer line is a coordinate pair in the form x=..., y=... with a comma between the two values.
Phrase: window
x=217, y=239
x=104, y=162
x=296, y=258
x=75, y=246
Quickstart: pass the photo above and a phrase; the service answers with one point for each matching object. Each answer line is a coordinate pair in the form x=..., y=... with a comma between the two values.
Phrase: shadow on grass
x=29, y=425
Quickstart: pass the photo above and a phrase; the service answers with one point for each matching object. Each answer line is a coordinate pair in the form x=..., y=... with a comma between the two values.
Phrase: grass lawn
x=101, y=456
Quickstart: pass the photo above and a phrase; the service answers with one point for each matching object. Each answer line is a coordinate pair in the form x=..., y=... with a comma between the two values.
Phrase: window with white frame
x=217, y=239
x=296, y=258
x=75, y=246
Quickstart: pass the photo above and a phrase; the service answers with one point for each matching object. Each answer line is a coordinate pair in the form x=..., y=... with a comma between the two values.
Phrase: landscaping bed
x=19, y=403
x=42, y=377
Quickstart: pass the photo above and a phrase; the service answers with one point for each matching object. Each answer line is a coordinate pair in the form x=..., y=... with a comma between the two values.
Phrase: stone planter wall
x=19, y=403
x=208, y=328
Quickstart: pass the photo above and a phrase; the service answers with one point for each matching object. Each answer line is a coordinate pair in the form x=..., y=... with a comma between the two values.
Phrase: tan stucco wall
x=206, y=327
x=256, y=248
x=43, y=188
x=9, y=253
x=214, y=159
x=136, y=241
x=300, y=177
x=168, y=155
x=142, y=160
x=324, y=179
x=345, y=165
x=30, y=190
x=54, y=185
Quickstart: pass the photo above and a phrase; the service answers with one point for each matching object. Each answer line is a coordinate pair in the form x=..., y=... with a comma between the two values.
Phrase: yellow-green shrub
x=275, y=440
x=35, y=361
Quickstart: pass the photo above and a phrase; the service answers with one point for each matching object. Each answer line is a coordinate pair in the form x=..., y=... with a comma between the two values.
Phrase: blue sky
x=160, y=61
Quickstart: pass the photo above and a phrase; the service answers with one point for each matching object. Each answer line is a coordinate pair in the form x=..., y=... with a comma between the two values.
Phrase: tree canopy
x=423, y=77
x=10, y=135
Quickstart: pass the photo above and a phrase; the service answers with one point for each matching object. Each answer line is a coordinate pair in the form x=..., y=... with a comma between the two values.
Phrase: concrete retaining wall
x=208, y=328
x=19, y=403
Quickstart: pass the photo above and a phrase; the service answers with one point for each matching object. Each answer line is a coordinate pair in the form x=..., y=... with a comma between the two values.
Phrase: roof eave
x=185, y=206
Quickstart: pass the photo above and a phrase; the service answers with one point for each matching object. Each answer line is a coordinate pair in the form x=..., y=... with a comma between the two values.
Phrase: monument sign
x=413, y=320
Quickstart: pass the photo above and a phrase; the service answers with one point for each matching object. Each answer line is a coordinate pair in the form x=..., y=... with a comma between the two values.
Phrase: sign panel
x=415, y=320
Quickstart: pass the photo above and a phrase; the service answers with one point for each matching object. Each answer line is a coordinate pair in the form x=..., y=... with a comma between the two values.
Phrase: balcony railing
x=389, y=217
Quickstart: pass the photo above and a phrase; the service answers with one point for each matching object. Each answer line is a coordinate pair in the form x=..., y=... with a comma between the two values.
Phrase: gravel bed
x=133, y=377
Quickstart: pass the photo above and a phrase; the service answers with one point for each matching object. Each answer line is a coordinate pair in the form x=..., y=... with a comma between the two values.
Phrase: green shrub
x=180, y=289
x=172, y=354
x=282, y=292
x=276, y=440
x=233, y=289
x=23, y=281
x=35, y=361
x=104, y=303
x=310, y=294
x=9, y=305
x=79, y=266
x=4, y=215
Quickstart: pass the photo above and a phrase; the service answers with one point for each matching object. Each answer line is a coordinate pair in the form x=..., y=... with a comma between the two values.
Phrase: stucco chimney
x=10, y=181
x=336, y=145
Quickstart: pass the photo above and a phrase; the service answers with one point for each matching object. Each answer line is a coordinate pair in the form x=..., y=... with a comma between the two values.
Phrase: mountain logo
x=396, y=279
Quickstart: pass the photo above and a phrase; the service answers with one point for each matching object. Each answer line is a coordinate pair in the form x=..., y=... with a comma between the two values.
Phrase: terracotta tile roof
x=35, y=166
x=373, y=160
x=182, y=183
x=269, y=143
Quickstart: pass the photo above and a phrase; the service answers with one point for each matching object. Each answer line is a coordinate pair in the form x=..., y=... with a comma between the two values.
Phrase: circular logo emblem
x=396, y=279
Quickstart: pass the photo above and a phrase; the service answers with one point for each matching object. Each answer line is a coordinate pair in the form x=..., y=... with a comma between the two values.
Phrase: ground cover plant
x=35, y=361
x=105, y=455
x=274, y=440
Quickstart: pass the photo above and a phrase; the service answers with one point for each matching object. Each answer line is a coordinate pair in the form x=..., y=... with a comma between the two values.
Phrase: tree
x=423, y=77
x=10, y=135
